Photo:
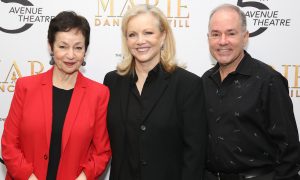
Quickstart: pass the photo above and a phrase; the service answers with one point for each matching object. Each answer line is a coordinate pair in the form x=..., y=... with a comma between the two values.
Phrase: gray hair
x=241, y=14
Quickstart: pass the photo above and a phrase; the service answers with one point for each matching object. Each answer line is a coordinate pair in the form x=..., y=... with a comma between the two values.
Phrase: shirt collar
x=244, y=67
x=152, y=74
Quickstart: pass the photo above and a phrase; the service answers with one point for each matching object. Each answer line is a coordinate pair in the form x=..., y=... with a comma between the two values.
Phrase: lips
x=142, y=49
x=69, y=63
x=224, y=50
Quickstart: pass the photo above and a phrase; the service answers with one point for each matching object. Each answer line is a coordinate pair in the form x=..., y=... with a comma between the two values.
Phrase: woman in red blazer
x=56, y=126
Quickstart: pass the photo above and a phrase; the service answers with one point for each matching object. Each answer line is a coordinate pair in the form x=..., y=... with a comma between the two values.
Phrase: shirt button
x=45, y=157
x=143, y=163
x=143, y=127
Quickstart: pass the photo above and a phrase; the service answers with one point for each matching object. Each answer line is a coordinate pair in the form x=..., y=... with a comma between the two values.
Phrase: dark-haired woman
x=56, y=126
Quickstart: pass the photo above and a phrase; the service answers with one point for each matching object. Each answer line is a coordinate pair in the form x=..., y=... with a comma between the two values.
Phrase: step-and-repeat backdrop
x=274, y=26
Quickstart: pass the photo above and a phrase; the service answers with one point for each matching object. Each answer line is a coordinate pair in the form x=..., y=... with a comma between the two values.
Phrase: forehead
x=143, y=20
x=225, y=19
x=69, y=35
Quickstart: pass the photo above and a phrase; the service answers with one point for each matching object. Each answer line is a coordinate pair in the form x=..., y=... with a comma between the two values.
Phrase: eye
x=148, y=32
x=215, y=35
x=131, y=35
x=61, y=47
x=233, y=33
x=79, y=48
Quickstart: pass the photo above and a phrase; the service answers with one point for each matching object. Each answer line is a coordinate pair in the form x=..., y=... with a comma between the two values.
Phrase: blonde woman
x=155, y=115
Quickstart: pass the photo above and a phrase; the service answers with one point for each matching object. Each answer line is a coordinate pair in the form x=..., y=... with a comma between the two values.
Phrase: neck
x=63, y=80
x=142, y=70
x=226, y=69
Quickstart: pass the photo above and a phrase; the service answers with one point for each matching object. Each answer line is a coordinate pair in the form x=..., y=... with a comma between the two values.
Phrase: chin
x=224, y=61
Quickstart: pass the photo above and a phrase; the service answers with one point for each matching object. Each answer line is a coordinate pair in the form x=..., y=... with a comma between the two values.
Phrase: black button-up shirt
x=251, y=120
x=137, y=104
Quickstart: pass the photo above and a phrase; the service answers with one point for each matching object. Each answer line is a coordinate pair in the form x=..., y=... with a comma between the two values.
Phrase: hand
x=32, y=177
x=81, y=176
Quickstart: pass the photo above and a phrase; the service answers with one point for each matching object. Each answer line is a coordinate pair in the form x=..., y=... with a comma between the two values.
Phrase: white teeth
x=142, y=49
x=224, y=50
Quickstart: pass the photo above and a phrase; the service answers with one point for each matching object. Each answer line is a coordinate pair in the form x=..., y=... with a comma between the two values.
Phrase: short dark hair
x=64, y=22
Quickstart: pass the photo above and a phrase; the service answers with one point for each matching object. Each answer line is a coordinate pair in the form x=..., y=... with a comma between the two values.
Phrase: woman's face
x=69, y=51
x=144, y=39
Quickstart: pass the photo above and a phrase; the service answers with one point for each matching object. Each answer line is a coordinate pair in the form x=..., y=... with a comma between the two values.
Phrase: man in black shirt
x=252, y=128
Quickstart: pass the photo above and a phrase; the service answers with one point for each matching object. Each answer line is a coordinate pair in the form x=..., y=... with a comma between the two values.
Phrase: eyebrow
x=228, y=30
x=76, y=43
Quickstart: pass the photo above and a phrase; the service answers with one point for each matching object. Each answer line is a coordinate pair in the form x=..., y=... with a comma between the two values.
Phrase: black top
x=172, y=130
x=251, y=120
x=61, y=101
x=136, y=110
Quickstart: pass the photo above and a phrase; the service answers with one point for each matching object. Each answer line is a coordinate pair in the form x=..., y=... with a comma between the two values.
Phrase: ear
x=163, y=38
x=50, y=49
x=245, y=38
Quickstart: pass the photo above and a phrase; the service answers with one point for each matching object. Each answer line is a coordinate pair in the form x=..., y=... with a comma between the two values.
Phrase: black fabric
x=171, y=135
x=136, y=108
x=61, y=101
x=251, y=121
x=213, y=176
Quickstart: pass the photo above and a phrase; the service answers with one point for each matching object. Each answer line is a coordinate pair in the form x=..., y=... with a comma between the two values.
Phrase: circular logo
x=25, y=26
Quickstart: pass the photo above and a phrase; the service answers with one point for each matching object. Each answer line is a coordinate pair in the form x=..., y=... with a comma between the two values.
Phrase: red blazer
x=27, y=130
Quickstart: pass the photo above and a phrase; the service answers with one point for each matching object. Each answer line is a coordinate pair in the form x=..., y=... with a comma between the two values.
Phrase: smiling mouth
x=69, y=63
x=224, y=50
x=143, y=49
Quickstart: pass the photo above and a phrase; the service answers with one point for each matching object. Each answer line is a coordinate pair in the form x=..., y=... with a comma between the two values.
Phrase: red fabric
x=27, y=130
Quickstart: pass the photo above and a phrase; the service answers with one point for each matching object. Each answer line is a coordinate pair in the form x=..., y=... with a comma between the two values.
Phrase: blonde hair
x=126, y=66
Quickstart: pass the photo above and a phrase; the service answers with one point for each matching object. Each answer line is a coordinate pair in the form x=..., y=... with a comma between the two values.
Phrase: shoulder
x=185, y=75
x=208, y=72
x=94, y=85
x=184, y=78
x=111, y=75
x=31, y=80
x=113, y=78
x=265, y=71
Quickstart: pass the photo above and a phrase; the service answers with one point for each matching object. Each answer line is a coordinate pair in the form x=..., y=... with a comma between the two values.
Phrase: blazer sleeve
x=194, y=132
x=100, y=151
x=14, y=159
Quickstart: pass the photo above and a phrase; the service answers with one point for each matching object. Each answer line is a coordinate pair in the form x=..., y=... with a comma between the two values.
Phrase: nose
x=70, y=53
x=140, y=39
x=223, y=39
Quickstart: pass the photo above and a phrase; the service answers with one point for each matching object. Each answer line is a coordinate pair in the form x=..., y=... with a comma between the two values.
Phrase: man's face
x=226, y=37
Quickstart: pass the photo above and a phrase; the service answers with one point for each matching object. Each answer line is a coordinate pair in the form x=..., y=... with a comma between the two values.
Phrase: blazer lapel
x=73, y=109
x=47, y=103
x=159, y=88
x=124, y=93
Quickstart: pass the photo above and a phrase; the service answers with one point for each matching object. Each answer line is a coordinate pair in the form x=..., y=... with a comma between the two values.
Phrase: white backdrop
x=274, y=25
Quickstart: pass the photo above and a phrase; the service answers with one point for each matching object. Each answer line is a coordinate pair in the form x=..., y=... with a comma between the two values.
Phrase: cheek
x=80, y=55
x=58, y=57
x=129, y=43
x=212, y=46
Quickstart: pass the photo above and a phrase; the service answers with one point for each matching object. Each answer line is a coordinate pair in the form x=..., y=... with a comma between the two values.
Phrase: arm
x=194, y=133
x=283, y=129
x=100, y=151
x=16, y=164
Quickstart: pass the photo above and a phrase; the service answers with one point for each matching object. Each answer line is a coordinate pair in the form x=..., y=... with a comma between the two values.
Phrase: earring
x=51, y=60
x=83, y=63
x=162, y=47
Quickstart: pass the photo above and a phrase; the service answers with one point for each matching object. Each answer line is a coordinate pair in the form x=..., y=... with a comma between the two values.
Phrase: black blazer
x=172, y=135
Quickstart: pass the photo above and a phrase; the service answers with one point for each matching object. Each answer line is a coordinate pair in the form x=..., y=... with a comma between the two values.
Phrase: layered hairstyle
x=64, y=22
x=168, y=51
